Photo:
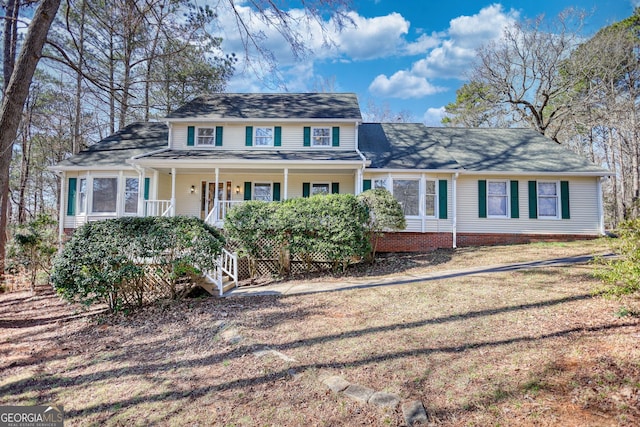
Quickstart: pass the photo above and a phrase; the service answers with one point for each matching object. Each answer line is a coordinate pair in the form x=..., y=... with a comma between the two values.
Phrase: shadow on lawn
x=145, y=365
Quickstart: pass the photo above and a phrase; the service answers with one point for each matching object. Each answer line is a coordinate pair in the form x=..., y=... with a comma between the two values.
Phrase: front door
x=207, y=198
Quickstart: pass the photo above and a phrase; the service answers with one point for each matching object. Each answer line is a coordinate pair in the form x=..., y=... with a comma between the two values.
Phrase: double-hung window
x=548, y=199
x=320, y=189
x=131, y=189
x=206, y=137
x=263, y=137
x=430, y=198
x=262, y=191
x=104, y=195
x=82, y=196
x=497, y=199
x=321, y=137
x=407, y=193
x=380, y=183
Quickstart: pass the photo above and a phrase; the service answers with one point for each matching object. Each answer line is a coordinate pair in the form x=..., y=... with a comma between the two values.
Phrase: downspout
x=454, y=225
x=359, y=172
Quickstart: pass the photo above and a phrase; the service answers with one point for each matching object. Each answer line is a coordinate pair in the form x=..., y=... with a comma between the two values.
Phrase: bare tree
x=382, y=113
x=522, y=70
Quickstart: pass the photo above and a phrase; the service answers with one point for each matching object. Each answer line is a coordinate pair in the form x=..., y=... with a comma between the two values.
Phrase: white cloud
x=464, y=36
x=402, y=85
x=372, y=37
x=433, y=116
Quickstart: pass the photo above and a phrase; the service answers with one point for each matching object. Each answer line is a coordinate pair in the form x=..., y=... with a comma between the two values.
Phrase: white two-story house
x=456, y=186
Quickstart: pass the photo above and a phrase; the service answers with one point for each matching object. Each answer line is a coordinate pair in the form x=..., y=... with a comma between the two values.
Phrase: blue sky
x=408, y=54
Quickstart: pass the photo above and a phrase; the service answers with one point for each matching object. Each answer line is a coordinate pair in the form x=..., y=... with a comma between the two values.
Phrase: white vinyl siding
x=292, y=135
x=583, y=200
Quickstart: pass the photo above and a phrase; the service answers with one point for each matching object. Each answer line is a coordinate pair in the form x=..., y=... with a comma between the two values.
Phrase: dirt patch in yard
x=529, y=347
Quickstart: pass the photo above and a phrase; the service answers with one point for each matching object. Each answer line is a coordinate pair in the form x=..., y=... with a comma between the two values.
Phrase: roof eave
x=354, y=120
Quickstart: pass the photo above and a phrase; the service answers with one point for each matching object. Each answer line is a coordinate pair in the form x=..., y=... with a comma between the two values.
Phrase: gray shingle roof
x=132, y=140
x=415, y=146
x=509, y=150
x=403, y=146
x=271, y=106
x=275, y=155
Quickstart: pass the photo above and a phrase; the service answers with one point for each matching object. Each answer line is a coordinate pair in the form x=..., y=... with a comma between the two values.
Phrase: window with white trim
x=263, y=137
x=262, y=191
x=104, y=195
x=407, y=193
x=206, y=136
x=82, y=195
x=380, y=183
x=497, y=199
x=320, y=189
x=321, y=137
x=131, y=190
x=548, y=198
x=430, y=198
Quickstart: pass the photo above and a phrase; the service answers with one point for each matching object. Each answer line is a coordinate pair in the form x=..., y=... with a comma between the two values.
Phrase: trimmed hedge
x=113, y=261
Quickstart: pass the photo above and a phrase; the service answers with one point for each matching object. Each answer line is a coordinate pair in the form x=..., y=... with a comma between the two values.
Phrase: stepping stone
x=336, y=383
x=231, y=336
x=384, y=400
x=359, y=393
x=414, y=412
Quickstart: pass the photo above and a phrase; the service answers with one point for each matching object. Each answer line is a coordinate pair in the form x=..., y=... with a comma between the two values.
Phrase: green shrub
x=125, y=261
x=333, y=225
x=623, y=275
x=385, y=214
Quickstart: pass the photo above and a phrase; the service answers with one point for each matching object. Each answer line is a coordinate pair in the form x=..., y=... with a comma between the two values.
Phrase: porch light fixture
x=237, y=189
x=193, y=189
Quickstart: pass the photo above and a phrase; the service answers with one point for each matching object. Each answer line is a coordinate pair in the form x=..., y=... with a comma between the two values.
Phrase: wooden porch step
x=227, y=285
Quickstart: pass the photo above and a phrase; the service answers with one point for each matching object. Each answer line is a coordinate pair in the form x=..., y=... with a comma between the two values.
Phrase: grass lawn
x=528, y=347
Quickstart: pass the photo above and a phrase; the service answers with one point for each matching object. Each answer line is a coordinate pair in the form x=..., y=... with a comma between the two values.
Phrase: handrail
x=157, y=207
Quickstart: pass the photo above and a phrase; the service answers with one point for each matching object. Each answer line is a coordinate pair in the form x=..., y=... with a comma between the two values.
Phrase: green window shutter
x=306, y=189
x=533, y=199
x=482, y=198
x=191, y=134
x=307, y=136
x=147, y=187
x=442, y=199
x=276, y=191
x=247, y=190
x=248, y=138
x=71, y=196
x=515, y=201
x=366, y=184
x=335, y=140
x=277, y=137
x=218, y=136
x=335, y=188
x=564, y=199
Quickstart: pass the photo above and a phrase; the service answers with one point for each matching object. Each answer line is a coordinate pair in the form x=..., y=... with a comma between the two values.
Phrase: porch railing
x=219, y=211
x=157, y=207
x=226, y=265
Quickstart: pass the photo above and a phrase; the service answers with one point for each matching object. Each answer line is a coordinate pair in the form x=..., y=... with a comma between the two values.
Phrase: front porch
x=210, y=194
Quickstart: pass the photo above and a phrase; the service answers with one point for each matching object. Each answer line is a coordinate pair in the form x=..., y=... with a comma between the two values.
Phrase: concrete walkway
x=289, y=288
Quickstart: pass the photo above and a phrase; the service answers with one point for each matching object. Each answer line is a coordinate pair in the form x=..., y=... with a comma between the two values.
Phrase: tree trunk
x=77, y=145
x=10, y=40
x=13, y=102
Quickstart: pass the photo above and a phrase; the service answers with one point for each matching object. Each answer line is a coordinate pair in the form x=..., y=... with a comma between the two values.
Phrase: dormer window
x=206, y=137
x=263, y=137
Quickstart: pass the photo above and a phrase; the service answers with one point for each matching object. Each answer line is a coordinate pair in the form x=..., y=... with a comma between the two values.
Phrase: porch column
x=358, y=186
x=216, y=198
x=173, y=191
x=63, y=178
x=120, y=194
x=141, y=192
x=285, y=193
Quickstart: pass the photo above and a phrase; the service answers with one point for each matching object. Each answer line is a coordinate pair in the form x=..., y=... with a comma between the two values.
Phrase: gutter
x=454, y=198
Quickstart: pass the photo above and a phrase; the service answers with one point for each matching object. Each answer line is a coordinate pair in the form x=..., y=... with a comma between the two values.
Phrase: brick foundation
x=424, y=242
